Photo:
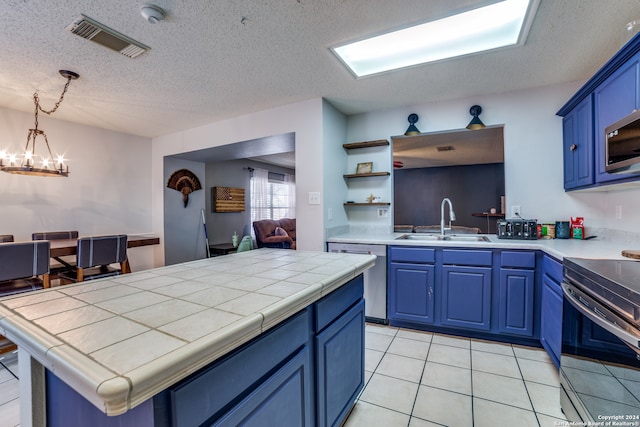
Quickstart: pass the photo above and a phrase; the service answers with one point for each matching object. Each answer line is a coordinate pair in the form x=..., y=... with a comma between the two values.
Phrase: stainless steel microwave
x=622, y=145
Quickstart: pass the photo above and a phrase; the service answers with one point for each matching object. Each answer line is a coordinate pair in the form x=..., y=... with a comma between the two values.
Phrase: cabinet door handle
x=573, y=147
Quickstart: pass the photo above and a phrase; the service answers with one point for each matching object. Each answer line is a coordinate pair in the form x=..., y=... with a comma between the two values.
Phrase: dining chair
x=246, y=244
x=4, y=238
x=24, y=267
x=95, y=258
x=62, y=263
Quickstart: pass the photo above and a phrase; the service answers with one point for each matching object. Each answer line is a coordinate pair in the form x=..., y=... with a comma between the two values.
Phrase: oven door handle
x=632, y=340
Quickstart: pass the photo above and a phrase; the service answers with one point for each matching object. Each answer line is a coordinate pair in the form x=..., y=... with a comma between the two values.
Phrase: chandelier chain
x=36, y=101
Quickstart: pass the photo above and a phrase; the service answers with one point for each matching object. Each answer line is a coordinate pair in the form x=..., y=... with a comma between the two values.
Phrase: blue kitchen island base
x=306, y=371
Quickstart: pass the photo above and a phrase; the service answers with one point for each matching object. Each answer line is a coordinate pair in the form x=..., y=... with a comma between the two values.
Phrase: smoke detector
x=153, y=14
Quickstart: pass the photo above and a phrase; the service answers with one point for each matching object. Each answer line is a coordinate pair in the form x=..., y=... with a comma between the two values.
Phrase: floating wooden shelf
x=367, y=204
x=366, y=144
x=365, y=175
x=488, y=215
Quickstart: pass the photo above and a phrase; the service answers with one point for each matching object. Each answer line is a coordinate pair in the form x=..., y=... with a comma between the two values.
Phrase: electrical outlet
x=314, y=197
x=515, y=211
x=330, y=214
x=383, y=213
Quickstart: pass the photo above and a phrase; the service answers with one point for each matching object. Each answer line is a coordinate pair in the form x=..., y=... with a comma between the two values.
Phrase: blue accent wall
x=183, y=231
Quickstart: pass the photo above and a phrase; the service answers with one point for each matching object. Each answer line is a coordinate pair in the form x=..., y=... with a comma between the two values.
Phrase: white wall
x=108, y=189
x=304, y=119
x=533, y=152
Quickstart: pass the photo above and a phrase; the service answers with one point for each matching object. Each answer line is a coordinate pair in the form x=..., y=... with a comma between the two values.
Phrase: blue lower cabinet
x=466, y=297
x=209, y=394
x=305, y=372
x=551, y=308
x=340, y=366
x=487, y=293
x=516, y=302
x=411, y=292
x=281, y=400
x=551, y=319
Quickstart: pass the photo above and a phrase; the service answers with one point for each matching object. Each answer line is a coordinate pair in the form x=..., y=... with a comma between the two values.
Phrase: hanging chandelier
x=26, y=164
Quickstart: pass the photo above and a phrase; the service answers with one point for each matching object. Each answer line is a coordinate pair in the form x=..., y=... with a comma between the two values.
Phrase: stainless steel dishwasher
x=375, y=279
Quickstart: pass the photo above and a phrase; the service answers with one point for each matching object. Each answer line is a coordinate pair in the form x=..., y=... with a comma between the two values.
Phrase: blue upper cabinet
x=577, y=134
x=615, y=99
x=611, y=94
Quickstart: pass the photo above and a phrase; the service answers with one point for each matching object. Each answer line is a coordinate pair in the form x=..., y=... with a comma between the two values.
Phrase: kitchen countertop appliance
x=600, y=360
x=375, y=279
x=517, y=228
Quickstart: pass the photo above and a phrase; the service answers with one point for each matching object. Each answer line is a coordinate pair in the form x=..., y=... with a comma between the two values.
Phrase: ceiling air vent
x=445, y=148
x=89, y=29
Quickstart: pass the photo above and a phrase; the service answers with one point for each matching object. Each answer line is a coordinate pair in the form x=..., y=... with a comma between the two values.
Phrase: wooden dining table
x=67, y=247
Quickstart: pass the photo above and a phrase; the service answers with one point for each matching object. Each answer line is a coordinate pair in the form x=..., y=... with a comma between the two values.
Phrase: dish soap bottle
x=234, y=239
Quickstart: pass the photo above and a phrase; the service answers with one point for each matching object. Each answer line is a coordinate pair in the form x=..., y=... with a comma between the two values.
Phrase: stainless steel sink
x=413, y=236
x=448, y=237
x=466, y=238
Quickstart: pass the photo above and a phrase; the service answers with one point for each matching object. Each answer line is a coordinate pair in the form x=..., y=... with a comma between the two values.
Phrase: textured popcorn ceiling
x=211, y=60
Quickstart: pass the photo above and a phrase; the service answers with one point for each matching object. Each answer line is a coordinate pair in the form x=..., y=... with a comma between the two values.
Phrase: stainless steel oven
x=600, y=360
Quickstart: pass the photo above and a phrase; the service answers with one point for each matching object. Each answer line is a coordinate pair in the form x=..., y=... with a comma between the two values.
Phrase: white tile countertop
x=606, y=248
x=119, y=341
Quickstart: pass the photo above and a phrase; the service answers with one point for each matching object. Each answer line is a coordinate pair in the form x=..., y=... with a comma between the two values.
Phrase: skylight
x=491, y=27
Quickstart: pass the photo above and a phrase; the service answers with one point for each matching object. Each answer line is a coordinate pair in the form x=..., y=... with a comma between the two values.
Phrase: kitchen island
x=205, y=341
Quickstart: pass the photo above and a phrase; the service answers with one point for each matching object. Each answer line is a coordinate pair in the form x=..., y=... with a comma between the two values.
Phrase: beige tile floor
x=419, y=379
x=9, y=395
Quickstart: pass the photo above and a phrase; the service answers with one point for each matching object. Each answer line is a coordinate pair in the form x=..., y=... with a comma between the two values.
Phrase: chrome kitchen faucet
x=452, y=215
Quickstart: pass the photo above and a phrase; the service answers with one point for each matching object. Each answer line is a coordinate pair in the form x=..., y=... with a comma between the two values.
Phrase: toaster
x=517, y=228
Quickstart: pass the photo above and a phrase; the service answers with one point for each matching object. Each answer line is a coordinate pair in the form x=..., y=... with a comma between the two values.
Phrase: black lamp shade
x=412, y=129
x=475, y=123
